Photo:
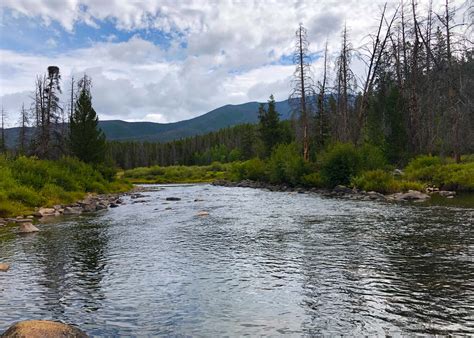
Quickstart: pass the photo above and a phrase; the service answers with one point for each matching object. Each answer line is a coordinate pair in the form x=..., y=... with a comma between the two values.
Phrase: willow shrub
x=286, y=165
x=339, y=164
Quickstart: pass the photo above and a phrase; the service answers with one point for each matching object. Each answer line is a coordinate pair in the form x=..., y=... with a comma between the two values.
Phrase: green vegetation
x=86, y=139
x=26, y=183
x=177, y=174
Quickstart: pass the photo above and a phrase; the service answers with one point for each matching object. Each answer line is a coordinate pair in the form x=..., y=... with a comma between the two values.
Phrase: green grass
x=27, y=183
x=177, y=174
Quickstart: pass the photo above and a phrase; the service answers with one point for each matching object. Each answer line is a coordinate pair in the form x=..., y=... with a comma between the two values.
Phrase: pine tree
x=269, y=126
x=86, y=139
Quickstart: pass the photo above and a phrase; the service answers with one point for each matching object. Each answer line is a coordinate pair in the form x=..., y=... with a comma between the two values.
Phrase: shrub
x=25, y=195
x=375, y=180
x=339, y=164
x=313, y=180
x=286, y=165
x=253, y=169
x=384, y=182
x=372, y=157
x=422, y=167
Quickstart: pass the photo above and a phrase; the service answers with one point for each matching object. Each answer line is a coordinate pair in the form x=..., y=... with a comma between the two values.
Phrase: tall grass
x=26, y=183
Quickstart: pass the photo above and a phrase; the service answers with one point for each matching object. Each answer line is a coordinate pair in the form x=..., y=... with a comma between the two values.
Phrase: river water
x=261, y=263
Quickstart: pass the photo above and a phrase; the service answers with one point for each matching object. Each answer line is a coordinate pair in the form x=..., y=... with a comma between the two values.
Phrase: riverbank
x=28, y=184
x=344, y=192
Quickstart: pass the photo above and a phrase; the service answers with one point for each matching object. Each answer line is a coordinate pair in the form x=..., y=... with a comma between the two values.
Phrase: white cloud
x=230, y=54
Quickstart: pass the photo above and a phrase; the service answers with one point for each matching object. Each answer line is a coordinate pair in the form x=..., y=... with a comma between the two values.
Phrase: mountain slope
x=225, y=116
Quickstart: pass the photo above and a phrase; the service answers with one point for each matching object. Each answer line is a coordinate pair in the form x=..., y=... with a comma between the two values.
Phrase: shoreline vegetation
x=342, y=165
x=28, y=184
x=33, y=187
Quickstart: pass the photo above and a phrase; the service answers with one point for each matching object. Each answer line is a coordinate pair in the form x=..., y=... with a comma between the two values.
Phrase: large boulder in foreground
x=43, y=329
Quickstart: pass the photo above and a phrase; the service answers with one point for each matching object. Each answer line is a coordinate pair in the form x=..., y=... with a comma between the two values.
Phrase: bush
x=253, y=169
x=26, y=196
x=339, y=164
x=383, y=182
x=372, y=157
x=286, y=165
x=313, y=180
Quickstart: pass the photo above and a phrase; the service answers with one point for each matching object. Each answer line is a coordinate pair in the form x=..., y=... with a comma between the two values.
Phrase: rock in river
x=4, y=267
x=173, y=199
x=411, y=195
x=43, y=329
x=27, y=227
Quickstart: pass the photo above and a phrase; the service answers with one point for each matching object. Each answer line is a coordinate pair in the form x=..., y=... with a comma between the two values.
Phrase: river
x=261, y=263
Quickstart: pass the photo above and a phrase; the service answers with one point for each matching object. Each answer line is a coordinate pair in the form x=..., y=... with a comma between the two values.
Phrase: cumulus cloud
x=217, y=52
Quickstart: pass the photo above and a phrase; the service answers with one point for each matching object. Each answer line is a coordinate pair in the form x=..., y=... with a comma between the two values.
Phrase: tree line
x=415, y=98
x=59, y=129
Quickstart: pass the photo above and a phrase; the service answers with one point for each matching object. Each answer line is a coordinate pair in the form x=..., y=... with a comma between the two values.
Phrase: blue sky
x=168, y=60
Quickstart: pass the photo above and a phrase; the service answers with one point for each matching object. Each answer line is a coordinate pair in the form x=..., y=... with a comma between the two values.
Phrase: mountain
x=225, y=116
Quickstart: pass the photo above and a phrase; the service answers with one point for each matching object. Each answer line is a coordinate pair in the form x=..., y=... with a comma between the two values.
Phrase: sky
x=166, y=61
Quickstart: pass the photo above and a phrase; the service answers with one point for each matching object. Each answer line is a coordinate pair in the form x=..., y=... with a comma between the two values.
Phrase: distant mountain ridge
x=222, y=117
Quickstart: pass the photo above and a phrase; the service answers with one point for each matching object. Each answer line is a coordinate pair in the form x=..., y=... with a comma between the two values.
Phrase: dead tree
x=22, y=136
x=47, y=111
x=321, y=114
x=3, y=144
x=302, y=94
x=376, y=54
x=345, y=84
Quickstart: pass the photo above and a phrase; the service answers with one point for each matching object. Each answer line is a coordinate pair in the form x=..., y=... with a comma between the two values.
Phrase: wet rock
x=101, y=206
x=72, y=211
x=4, y=267
x=431, y=190
x=173, y=199
x=23, y=220
x=450, y=197
x=342, y=189
x=202, y=213
x=45, y=212
x=168, y=208
x=411, y=195
x=42, y=329
x=375, y=196
x=27, y=228
x=198, y=200
x=446, y=193
x=113, y=205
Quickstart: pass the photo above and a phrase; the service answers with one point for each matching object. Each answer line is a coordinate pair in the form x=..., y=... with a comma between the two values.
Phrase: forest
x=413, y=107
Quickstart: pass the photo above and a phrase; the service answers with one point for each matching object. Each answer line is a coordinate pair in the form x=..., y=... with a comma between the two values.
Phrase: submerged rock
x=27, y=227
x=173, y=199
x=4, y=267
x=43, y=329
x=202, y=213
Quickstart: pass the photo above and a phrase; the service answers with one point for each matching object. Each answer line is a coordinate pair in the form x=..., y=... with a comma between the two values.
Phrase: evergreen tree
x=86, y=139
x=269, y=126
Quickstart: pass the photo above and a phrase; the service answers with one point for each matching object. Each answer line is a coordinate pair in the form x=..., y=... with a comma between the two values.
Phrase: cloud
x=180, y=58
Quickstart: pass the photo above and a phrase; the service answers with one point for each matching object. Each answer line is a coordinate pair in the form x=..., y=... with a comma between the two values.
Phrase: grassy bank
x=177, y=174
x=341, y=164
x=27, y=183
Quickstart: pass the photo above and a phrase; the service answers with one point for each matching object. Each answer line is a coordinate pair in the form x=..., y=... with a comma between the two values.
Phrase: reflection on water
x=261, y=263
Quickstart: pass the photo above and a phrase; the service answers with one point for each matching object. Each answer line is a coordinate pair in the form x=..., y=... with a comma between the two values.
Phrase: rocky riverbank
x=91, y=203
x=341, y=191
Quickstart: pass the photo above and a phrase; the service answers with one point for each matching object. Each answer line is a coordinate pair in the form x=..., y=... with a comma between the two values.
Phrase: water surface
x=261, y=263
